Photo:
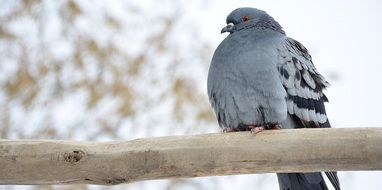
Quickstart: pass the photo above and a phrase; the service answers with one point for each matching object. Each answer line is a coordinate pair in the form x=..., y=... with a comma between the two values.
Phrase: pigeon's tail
x=301, y=181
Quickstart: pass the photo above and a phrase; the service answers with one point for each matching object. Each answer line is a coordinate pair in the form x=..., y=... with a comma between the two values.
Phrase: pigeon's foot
x=275, y=126
x=227, y=130
x=272, y=126
x=256, y=129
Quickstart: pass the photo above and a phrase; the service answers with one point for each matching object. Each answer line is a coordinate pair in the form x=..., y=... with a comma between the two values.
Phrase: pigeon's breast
x=243, y=83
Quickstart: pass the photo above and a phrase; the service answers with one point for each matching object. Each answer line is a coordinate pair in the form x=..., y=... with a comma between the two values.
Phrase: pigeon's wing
x=304, y=86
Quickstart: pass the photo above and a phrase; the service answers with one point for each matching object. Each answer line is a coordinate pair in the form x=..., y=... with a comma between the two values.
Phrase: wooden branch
x=297, y=150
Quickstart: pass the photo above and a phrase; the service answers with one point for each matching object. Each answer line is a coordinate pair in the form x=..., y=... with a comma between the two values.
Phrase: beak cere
x=227, y=28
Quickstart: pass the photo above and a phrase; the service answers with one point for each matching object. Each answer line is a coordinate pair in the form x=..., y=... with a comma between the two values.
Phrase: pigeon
x=261, y=79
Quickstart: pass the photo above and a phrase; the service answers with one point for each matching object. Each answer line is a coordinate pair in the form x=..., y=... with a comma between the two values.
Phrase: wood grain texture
x=109, y=163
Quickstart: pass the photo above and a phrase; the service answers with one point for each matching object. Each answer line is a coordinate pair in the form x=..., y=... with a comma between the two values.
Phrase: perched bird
x=261, y=79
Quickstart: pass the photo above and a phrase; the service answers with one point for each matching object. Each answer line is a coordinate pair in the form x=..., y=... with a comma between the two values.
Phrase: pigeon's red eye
x=245, y=18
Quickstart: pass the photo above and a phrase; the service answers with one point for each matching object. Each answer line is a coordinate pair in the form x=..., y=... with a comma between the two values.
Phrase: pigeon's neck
x=270, y=24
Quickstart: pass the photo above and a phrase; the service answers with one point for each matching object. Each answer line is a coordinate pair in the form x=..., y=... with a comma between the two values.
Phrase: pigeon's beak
x=227, y=28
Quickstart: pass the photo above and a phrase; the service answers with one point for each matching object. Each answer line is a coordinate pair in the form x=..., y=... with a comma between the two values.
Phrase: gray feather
x=249, y=87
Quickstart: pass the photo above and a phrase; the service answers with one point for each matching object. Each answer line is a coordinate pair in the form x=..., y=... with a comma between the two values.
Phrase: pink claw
x=276, y=126
x=227, y=130
x=257, y=129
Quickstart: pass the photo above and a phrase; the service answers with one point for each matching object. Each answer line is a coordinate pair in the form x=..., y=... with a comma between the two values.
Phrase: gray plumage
x=259, y=76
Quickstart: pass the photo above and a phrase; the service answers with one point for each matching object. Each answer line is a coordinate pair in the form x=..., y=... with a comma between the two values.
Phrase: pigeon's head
x=247, y=18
